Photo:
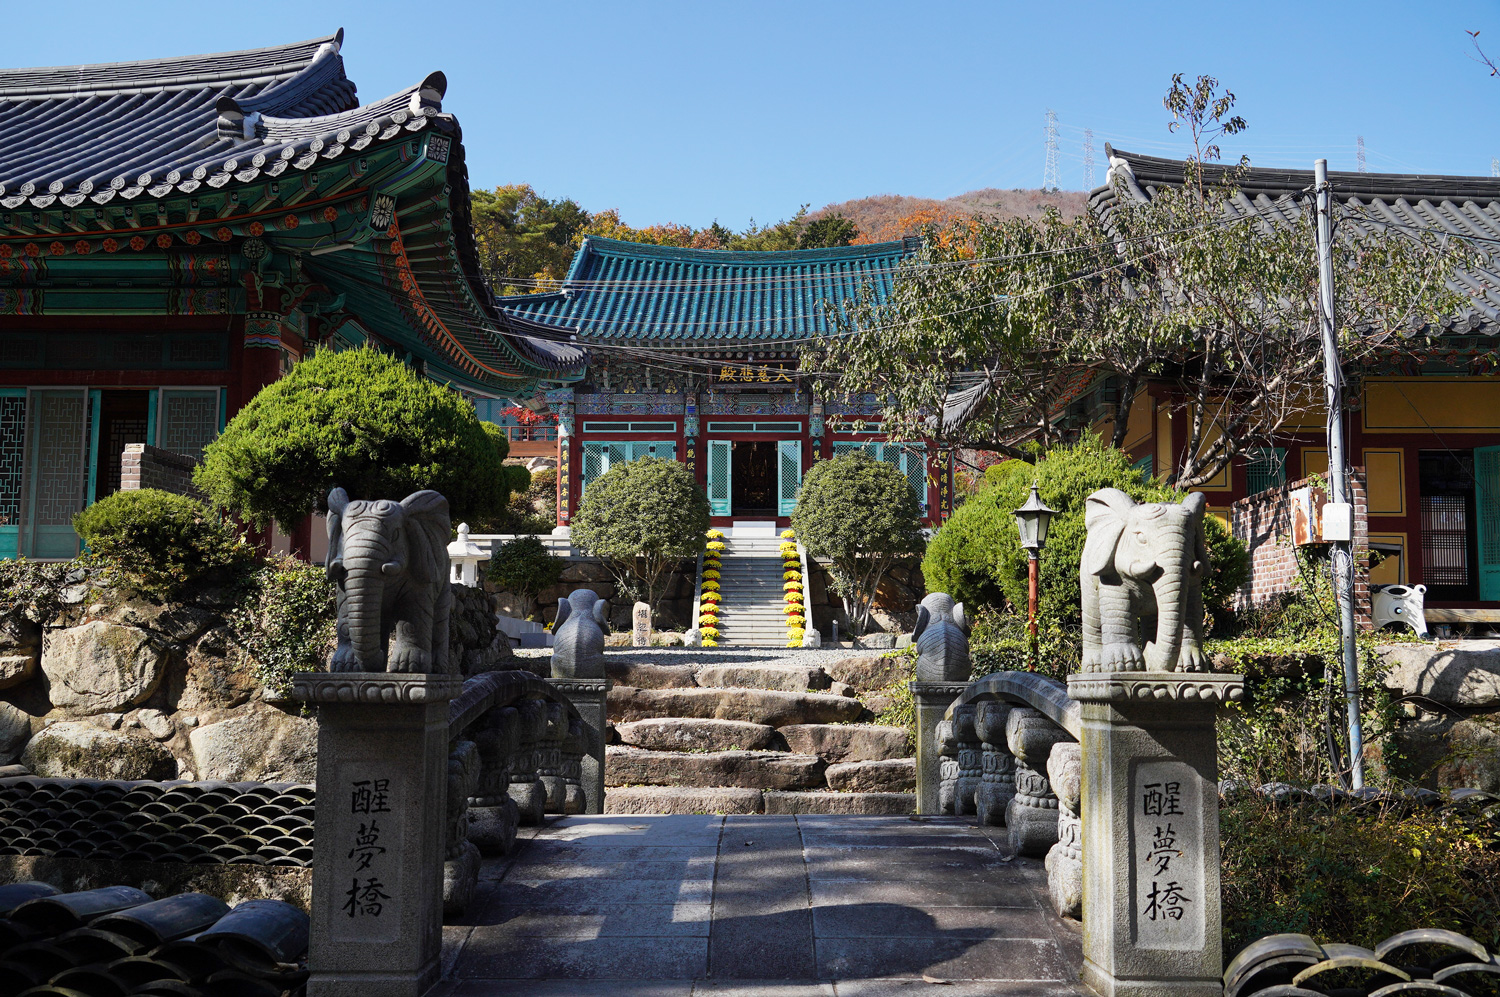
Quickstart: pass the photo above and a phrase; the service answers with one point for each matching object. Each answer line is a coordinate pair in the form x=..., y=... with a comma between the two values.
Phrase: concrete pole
x=1342, y=554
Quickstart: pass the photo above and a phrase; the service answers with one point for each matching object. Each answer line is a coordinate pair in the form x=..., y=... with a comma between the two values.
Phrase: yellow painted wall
x=1211, y=433
x=1138, y=425
x=1314, y=462
x=1422, y=404
x=1164, y=455
x=1385, y=481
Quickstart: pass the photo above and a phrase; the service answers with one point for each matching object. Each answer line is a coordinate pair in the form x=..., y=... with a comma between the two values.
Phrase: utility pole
x=1342, y=553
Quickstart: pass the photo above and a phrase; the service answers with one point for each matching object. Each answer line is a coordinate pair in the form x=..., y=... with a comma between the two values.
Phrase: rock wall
x=1451, y=693
x=98, y=682
x=590, y=573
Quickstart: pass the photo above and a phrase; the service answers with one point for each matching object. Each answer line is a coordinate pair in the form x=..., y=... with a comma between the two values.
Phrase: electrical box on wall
x=1338, y=521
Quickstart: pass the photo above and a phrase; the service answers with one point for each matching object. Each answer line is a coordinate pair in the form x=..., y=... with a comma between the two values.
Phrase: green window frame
x=908, y=458
x=599, y=456
x=1265, y=468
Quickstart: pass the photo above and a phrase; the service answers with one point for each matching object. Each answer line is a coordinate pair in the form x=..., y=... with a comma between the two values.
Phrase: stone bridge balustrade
x=997, y=781
x=1031, y=815
x=966, y=783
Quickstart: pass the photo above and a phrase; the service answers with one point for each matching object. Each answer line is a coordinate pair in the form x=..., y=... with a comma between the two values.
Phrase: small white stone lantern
x=463, y=557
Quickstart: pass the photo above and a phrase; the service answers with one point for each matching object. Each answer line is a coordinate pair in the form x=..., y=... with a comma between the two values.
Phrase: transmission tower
x=1495, y=167
x=1051, y=180
x=1088, y=159
x=1359, y=154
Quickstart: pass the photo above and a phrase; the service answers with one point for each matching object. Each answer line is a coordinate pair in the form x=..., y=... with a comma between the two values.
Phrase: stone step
x=627, y=766
x=688, y=734
x=761, y=706
x=834, y=803
x=787, y=678
x=890, y=775
x=683, y=800
x=647, y=676
x=837, y=743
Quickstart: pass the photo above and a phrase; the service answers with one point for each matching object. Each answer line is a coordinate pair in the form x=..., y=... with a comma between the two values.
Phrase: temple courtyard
x=790, y=906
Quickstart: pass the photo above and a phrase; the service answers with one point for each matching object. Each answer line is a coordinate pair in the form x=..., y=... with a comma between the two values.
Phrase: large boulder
x=15, y=731
x=759, y=706
x=1465, y=675
x=868, y=672
x=786, y=678
x=891, y=775
x=84, y=750
x=625, y=766
x=681, y=734
x=847, y=742
x=214, y=674
x=1473, y=761
x=642, y=675
x=101, y=667
x=17, y=668
x=260, y=745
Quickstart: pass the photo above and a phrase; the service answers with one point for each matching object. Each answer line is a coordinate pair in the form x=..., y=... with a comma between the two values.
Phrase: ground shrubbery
x=163, y=543
x=1355, y=873
x=285, y=620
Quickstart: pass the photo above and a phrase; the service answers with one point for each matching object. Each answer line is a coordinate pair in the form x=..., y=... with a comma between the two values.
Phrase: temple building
x=176, y=233
x=1425, y=430
x=694, y=357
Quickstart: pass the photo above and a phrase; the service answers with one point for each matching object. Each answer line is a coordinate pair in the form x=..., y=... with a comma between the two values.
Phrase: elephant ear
x=960, y=618
x=601, y=614
x=924, y=617
x=1195, y=503
x=564, y=610
x=1104, y=515
x=428, y=528
x=338, y=501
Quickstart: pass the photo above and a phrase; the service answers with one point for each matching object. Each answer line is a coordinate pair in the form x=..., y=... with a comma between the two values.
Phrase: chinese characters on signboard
x=753, y=374
x=367, y=896
x=1167, y=825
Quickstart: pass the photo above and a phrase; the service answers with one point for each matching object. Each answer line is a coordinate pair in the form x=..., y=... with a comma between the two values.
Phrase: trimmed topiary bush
x=526, y=567
x=976, y=557
x=164, y=543
x=363, y=421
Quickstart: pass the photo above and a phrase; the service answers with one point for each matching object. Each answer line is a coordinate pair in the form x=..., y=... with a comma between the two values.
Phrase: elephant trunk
x=1171, y=596
x=364, y=592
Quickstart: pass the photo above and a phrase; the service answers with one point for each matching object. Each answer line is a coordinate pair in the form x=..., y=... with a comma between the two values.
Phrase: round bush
x=360, y=420
x=163, y=542
x=977, y=558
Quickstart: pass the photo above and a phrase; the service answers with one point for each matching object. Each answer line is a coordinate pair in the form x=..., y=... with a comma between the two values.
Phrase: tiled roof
x=1467, y=207
x=625, y=290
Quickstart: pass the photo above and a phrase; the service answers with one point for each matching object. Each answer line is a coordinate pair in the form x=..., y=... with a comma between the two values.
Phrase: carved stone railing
x=1008, y=745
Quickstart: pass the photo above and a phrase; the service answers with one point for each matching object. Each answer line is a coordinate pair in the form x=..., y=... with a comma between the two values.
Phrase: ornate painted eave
x=194, y=186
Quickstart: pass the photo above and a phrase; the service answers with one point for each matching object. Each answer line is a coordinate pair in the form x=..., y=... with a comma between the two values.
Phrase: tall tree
x=997, y=326
x=525, y=240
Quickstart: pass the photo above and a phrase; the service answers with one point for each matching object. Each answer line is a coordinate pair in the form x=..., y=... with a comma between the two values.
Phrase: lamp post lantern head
x=1032, y=519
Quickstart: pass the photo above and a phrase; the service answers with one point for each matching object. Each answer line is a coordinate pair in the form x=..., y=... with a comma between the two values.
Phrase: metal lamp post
x=1032, y=520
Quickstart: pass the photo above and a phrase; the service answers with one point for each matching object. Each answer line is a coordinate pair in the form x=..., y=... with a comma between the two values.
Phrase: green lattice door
x=1487, y=509
x=788, y=475
x=719, y=485
x=12, y=460
x=56, y=472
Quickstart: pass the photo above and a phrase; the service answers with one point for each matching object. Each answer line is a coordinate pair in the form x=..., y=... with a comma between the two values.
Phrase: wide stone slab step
x=682, y=800
x=787, y=678
x=627, y=766
x=836, y=743
x=761, y=706
x=837, y=803
x=647, y=676
x=686, y=734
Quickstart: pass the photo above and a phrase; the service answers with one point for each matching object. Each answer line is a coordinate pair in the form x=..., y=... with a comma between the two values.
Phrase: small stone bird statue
x=942, y=639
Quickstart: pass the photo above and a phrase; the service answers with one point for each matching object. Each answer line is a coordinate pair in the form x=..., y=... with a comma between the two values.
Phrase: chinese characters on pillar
x=367, y=896
x=1167, y=828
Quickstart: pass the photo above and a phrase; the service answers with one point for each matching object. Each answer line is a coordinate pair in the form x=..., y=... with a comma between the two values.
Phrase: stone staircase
x=751, y=606
x=742, y=731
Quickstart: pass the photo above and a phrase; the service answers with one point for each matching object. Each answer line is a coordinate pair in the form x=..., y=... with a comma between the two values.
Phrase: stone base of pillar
x=1150, y=823
x=931, y=700
x=587, y=697
x=460, y=877
x=492, y=829
x=379, y=831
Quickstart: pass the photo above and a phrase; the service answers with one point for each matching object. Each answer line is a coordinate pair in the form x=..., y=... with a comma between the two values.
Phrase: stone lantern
x=463, y=558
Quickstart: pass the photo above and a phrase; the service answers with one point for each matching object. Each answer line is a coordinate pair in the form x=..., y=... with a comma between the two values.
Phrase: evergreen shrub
x=162, y=542
x=526, y=567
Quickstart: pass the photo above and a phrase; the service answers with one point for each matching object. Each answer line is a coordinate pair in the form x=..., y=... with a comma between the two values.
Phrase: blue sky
x=692, y=112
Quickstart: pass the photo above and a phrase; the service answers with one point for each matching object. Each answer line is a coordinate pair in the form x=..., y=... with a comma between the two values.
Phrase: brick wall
x=1264, y=522
x=143, y=466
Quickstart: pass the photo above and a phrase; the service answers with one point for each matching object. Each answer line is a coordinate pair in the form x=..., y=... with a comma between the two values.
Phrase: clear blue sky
x=693, y=111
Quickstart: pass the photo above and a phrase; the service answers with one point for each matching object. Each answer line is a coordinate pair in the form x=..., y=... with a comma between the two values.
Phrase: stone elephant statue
x=389, y=563
x=1143, y=565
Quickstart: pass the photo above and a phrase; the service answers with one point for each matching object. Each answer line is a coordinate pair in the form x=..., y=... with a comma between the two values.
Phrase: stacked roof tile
x=116, y=940
x=198, y=822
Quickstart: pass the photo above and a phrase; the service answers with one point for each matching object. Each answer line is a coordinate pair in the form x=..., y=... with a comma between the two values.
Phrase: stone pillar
x=969, y=770
x=587, y=697
x=1031, y=816
x=379, y=831
x=524, y=786
x=931, y=701
x=1150, y=821
x=640, y=625
x=1065, y=860
x=997, y=780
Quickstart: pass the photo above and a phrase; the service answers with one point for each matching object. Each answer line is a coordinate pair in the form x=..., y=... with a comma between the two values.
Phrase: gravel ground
x=727, y=655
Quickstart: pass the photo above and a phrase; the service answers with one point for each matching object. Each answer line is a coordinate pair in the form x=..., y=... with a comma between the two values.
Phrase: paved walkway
x=832, y=906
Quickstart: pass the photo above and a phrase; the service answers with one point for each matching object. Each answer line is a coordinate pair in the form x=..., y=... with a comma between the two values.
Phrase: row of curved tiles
x=117, y=941
x=1423, y=961
x=194, y=822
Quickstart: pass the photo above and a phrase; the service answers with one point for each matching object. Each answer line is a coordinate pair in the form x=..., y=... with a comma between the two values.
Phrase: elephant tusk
x=1140, y=569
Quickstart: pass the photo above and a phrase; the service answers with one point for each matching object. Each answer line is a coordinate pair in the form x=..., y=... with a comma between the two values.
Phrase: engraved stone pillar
x=1032, y=816
x=931, y=701
x=1150, y=820
x=587, y=697
x=969, y=770
x=640, y=625
x=377, y=903
x=1065, y=860
x=997, y=781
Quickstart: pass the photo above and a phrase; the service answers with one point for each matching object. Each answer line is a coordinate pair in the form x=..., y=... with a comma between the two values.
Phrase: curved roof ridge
x=211, y=69
x=739, y=257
